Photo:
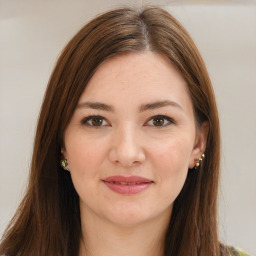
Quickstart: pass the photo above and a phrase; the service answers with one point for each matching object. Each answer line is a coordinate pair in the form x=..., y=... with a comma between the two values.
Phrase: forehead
x=133, y=77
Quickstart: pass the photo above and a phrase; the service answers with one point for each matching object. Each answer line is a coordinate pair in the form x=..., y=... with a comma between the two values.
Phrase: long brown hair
x=48, y=219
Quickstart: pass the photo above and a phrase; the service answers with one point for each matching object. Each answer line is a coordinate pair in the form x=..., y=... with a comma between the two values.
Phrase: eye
x=95, y=121
x=159, y=121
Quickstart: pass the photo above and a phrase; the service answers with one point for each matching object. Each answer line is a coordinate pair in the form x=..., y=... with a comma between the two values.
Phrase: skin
x=128, y=141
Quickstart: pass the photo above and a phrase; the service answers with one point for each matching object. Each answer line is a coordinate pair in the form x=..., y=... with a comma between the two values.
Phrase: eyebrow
x=96, y=105
x=142, y=108
x=159, y=104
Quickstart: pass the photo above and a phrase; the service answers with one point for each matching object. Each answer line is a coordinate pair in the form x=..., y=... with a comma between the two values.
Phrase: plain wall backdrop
x=33, y=33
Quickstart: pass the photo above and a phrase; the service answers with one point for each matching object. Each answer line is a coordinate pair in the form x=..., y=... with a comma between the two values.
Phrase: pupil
x=96, y=121
x=158, y=121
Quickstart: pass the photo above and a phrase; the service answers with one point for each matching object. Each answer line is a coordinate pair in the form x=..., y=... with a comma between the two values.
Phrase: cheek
x=173, y=154
x=81, y=154
x=84, y=164
x=171, y=161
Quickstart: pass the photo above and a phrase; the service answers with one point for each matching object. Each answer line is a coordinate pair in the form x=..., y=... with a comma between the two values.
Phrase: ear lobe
x=63, y=152
x=200, y=144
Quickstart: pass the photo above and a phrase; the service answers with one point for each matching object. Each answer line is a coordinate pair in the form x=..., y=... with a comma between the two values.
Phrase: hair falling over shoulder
x=47, y=221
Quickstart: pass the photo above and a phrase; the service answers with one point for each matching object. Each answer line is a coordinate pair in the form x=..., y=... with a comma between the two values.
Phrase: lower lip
x=128, y=189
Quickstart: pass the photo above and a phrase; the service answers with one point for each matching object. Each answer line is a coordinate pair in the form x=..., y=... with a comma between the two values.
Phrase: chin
x=128, y=216
x=128, y=221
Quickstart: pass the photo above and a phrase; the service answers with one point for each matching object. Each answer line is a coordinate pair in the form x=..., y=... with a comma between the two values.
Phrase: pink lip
x=135, y=184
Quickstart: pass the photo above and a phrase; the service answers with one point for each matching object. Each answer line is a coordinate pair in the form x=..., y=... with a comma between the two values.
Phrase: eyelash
x=163, y=117
x=90, y=118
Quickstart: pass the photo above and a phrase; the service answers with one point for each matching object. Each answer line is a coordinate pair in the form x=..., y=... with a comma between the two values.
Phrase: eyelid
x=85, y=120
x=169, y=119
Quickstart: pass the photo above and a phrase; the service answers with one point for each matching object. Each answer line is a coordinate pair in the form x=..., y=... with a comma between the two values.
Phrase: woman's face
x=132, y=139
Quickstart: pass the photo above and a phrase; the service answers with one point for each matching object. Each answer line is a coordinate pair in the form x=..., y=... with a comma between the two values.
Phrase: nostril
x=126, y=150
x=127, y=163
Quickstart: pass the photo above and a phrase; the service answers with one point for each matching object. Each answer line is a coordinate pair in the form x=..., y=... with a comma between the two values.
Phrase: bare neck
x=101, y=238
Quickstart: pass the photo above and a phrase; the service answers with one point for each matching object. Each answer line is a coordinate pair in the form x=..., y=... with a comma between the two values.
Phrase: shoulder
x=236, y=252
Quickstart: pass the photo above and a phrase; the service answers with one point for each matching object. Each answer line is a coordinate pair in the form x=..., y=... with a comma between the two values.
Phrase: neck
x=102, y=238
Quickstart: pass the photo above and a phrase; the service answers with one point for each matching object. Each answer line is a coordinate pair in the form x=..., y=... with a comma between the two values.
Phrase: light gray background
x=32, y=34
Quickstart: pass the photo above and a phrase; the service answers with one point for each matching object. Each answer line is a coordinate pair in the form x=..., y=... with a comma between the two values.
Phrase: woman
x=126, y=155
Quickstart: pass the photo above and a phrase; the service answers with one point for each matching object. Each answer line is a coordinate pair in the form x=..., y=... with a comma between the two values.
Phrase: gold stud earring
x=200, y=161
x=64, y=164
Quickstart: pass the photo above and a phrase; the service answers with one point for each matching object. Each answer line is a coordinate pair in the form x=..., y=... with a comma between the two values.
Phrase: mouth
x=127, y=185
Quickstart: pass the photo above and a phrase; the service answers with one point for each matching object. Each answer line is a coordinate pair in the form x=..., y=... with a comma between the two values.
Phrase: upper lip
x=130, y=179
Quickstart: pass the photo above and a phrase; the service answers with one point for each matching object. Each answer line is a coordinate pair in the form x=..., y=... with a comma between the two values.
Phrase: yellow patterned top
x=236, y=252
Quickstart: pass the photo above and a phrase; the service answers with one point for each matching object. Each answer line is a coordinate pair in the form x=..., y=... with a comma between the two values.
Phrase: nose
x=126, y=148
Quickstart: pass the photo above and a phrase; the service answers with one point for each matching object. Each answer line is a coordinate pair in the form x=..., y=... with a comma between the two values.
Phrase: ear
x=200, y=144
x=63, y=152
x=63, y=164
